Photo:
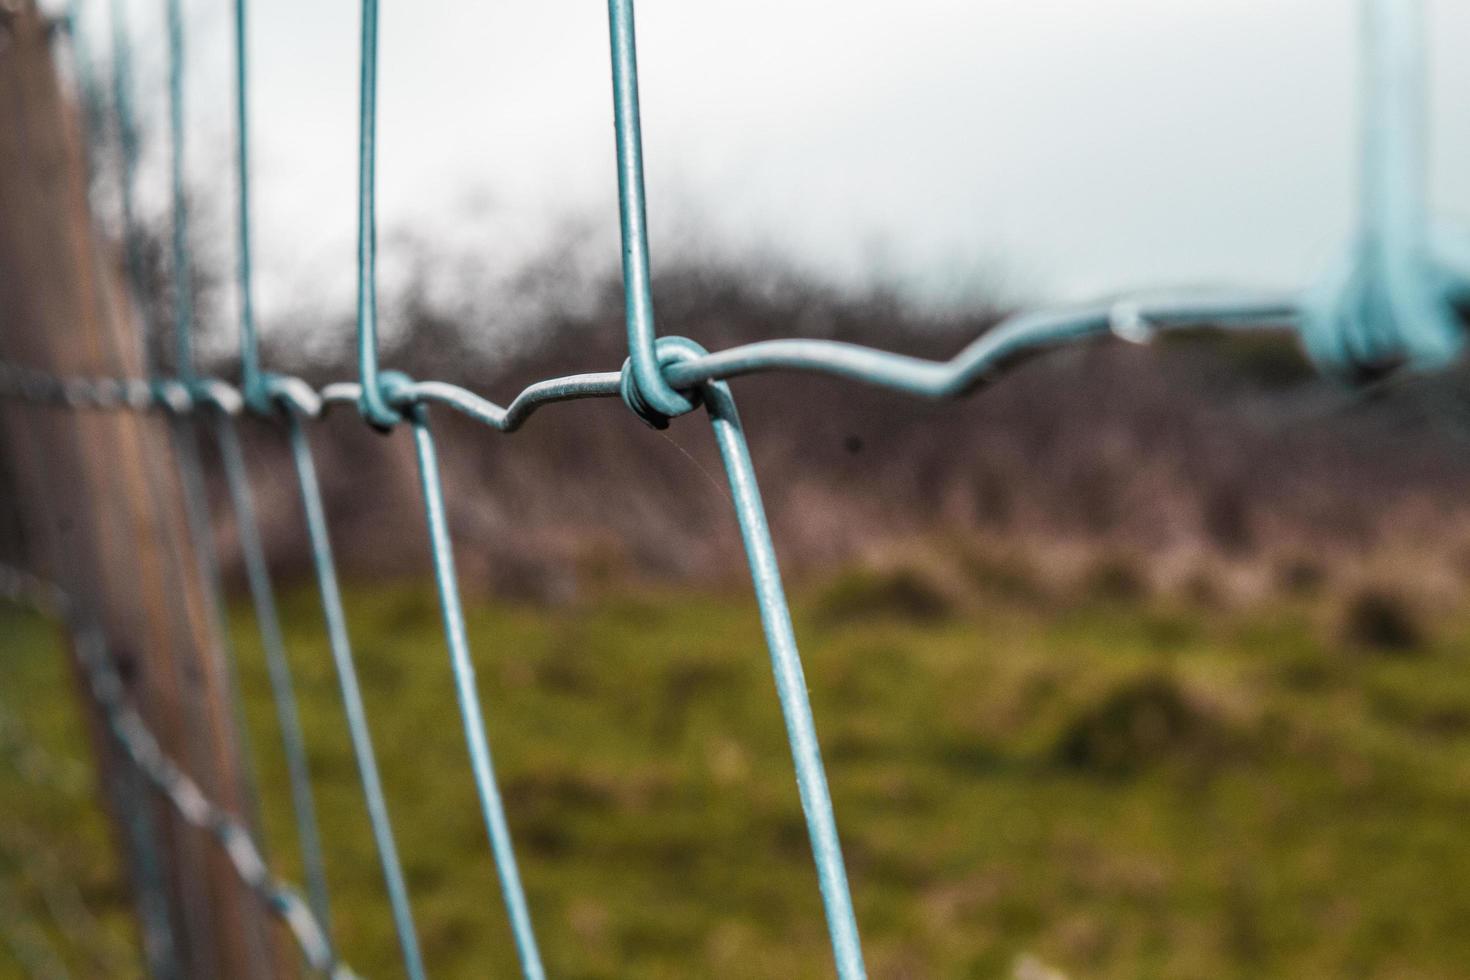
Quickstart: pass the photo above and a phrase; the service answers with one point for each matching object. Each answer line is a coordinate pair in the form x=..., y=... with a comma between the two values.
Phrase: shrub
x=1381, y=621
x=903, y=593
x=1141, y=723
x=1116, y=579
x=1300, y=576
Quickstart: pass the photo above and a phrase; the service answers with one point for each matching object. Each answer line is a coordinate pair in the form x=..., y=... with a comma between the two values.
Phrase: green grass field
x=1123, y=787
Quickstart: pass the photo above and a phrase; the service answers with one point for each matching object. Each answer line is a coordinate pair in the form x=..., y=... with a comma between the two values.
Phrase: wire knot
x=384, y=398
x=255, y=389
x=669, y=350
x=290, y=394
x=1372, y=315
x=396, y=389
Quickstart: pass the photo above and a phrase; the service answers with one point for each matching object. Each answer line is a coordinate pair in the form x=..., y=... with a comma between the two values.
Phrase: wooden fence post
x=101, y=506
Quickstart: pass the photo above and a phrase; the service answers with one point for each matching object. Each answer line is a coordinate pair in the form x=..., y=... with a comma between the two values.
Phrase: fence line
x=1388, y=304
x=133, y=736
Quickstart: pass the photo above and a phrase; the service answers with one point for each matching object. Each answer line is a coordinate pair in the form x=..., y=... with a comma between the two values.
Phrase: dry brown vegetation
x=1209, y=466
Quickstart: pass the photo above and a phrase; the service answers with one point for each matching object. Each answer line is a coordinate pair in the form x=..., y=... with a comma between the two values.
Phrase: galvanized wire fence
x=1390, y=304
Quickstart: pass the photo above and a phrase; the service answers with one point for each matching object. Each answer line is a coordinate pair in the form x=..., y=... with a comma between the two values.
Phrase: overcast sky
x=1060, y=148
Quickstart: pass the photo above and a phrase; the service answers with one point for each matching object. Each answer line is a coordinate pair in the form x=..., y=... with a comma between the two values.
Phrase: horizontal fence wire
x=1390, y=302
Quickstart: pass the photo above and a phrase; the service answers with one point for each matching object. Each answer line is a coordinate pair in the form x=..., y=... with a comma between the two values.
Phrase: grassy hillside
x=1106, y=783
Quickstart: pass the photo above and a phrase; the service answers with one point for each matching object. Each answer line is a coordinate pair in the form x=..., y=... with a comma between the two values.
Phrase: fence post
x=99, y=498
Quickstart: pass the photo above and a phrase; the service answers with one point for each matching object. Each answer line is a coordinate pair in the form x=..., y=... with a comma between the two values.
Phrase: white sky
x=1062, y=148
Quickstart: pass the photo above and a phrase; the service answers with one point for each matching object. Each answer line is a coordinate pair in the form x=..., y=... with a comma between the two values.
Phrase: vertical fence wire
x=186, y=447
x=633, y=216
x=1388, y=305
x=183, y=292
x=278, y=668
x=251, y=381
x=801, y=730
x=1390, y=300
x=374, y=408
x=652, y=396
x=471, y=715
x=252, y=549
x=357, y=723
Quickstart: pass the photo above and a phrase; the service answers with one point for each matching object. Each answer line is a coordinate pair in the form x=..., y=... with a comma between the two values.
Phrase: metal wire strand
x=1389, y=300
x=441, y=549
x=183, y=292
x=988, y=358
x=255, y=391
x=374, y=408
x=1388, y=304
x=142, y=749
x=801, y=732
x=357, y=723
x=186, y=445
x=633, y=217
x=278, y=667
x=252, y=384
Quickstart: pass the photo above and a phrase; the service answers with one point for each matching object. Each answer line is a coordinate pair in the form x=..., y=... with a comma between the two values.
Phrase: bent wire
x=237, y=480
x=357, y=723
x=1390, y=303
x=801, y=731
x=374, y=408
x=278, y=668
x=1392, y=299
x=472, y=717
x=633, y=216
x=186, y=446
x=250, y=374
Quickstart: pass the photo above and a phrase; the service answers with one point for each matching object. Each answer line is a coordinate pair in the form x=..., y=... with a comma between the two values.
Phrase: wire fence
x=1390, y=303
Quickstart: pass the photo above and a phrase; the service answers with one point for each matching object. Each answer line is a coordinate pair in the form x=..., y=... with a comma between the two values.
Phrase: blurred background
x=1146, y=661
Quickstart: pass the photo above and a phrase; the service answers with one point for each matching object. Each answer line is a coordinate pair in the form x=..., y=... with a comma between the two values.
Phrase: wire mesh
x=1389, y=303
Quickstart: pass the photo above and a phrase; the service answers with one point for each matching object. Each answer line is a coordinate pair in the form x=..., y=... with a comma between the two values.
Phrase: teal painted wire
x=374, y=408
x=1390, y=304
x=217, y=646
x=186, y=447
x=250, y=378
x=183, y=291
x=127, y=132
x=513, y=416
x=811, y=777
x=469, y=701
x=633, y=216
x=201, y=536
x=252, y=550
x=268, y=621
x=1393, y=150
x=995, y=351
x=987, y=359
x=1390, y=300
x=357, y=723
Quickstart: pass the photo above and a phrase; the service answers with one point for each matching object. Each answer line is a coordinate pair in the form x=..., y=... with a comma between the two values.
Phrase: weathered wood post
x=101, y=507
